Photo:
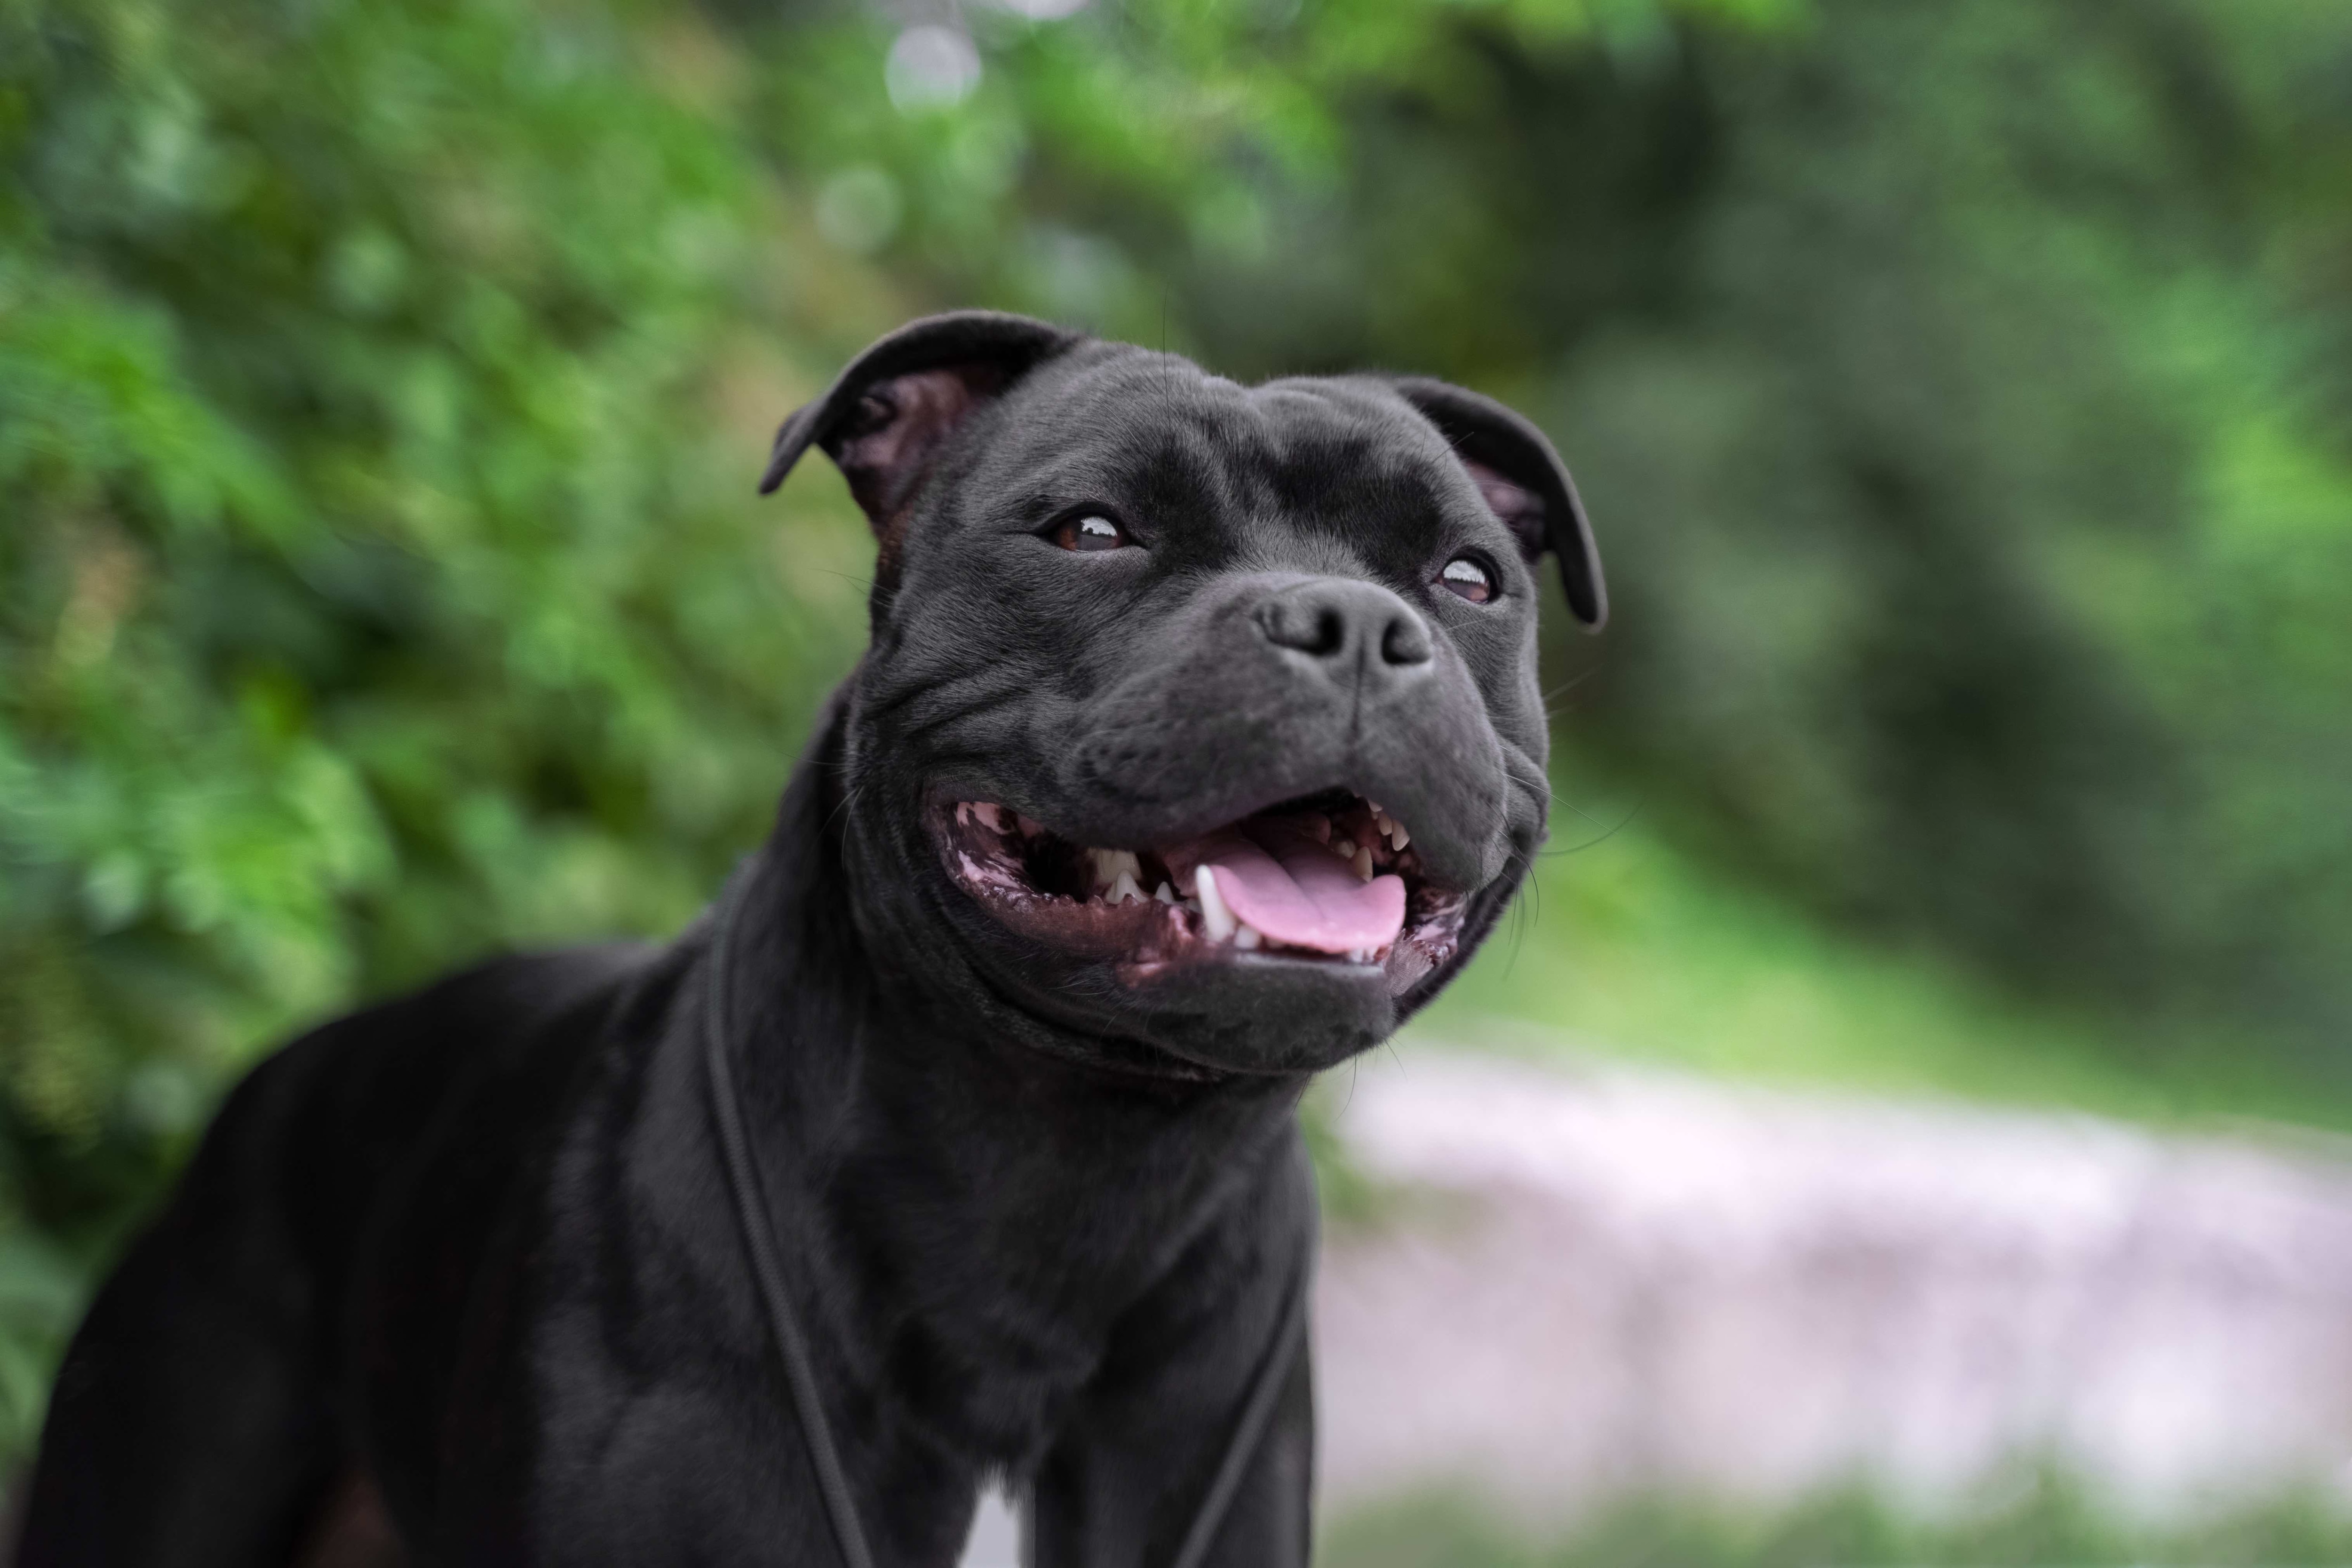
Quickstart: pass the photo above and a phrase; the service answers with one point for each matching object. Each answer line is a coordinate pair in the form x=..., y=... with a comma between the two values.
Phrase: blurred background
x=1897, y=1125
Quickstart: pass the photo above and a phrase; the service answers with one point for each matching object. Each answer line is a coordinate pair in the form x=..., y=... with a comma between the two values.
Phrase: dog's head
x=1200, y=726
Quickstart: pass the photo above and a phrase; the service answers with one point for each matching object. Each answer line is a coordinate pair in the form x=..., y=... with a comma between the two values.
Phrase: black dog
x=961, y=1145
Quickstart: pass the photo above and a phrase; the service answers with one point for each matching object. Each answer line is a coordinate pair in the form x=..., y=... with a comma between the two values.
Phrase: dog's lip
x=1121, y=907
x=1183, y=824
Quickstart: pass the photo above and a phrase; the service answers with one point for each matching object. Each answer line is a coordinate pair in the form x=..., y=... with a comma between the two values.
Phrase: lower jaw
x=1246, y=1016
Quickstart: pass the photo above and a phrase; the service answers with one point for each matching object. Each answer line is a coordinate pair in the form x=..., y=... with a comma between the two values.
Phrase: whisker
x=1599, y=839
x=1572, y=681
x=841, y=808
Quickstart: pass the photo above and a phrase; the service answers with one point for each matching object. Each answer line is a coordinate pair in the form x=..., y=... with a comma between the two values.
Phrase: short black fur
x=455, y=1280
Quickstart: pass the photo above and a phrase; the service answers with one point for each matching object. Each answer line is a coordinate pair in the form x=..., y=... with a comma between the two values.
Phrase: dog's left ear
x=1524, y=482
x=884, y=418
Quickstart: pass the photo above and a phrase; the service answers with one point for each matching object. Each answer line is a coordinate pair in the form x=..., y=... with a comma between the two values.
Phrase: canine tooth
x=1397, y=835
x=1164, y=893
x=1364, y=863
x=1216, y=920
x=1124, y=889
x=1109, y=865
x=1248, y=935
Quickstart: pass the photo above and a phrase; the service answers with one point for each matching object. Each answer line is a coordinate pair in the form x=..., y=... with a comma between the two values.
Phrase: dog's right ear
x=883, y=420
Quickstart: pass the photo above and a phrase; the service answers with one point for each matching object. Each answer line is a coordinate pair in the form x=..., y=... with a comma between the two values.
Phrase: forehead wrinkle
x=1291, y=550
x=1404, y=436
x=1152, y=385
x=1290, y=441
x=1358, y=488
x=1316, y=482
x=1148, y=402
x=1176, y=471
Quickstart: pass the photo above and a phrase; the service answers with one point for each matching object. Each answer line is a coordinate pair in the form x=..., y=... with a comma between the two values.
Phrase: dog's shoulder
x=312, y=1132
x=392, y=1061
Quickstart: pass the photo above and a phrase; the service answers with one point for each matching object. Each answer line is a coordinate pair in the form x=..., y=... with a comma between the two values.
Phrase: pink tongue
x=1296, y=891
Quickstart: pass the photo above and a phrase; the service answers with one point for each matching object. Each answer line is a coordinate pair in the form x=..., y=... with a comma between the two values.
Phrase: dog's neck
x=905, y=1134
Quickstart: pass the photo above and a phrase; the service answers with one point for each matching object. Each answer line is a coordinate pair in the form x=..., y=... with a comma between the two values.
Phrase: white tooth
x=1345, y=849
x=1400, y=836
x=1124, y=889
x=1193, y=905
x=1364, y=864
x=1216, y=920
x=1109, y=865
x=1248, y=935
x=1164, y=893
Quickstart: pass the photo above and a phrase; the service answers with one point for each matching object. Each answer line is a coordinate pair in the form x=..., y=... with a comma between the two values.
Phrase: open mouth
x=1332, y=879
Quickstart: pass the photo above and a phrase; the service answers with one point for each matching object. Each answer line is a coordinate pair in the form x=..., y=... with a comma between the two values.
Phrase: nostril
x=1405, y=641
x=1311, y=627
x=1343, y=622
x=1330, y=633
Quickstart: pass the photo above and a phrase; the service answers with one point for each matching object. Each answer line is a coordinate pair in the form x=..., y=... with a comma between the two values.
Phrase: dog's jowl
x=1199, y=742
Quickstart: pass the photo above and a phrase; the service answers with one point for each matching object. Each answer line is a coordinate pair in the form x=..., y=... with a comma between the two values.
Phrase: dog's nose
x=1355, y=628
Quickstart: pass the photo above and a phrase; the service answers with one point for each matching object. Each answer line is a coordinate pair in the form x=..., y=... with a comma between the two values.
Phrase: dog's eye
x=1090, y=533
x=1465, y=576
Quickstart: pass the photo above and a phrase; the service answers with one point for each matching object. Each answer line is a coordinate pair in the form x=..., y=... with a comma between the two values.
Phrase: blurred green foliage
x=1960, y=392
